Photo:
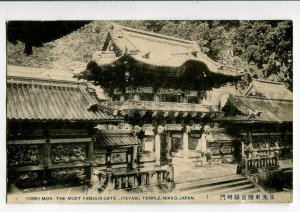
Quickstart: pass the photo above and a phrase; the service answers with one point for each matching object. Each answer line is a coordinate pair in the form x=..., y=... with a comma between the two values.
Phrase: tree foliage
x=261, y=48
x=267, y=48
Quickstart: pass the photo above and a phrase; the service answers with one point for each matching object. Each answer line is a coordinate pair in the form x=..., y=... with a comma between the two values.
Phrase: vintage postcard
x=149, y=111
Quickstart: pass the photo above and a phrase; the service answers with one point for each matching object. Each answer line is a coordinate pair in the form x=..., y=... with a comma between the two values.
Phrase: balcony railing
x=256, y=165
x=160, y=106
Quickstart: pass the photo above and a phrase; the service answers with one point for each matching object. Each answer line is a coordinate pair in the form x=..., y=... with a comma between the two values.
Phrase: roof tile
x=162, y=50
x=45, y=100
x=258, y=109
x=114, y=140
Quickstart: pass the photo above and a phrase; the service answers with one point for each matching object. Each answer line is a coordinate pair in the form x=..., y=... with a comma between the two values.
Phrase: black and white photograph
x=149, y=111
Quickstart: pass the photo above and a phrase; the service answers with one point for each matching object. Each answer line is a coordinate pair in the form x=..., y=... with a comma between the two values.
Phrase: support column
x=184, y=99
x=91, y=149
x=250, y=145
x=156, y=97
x=251, y=136
x=157, y=149
x=171, y=174
x=202, y=144
x=243, y=150
x=159, y=130
x=94, y=177
x=134, y=157
x=110, y=184
x=185, y=144
x=169, y=146
x=143, y=141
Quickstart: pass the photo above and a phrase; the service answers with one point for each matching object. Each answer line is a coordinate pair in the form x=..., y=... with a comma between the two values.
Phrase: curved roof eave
x=216, y=70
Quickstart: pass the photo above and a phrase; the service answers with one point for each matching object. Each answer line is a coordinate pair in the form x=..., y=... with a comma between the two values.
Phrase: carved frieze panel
x=24, y=176
x=264, y=141
x=69, y=173
x=215, y=149
x=66, y=153
x=118, y=157
x=26, y=179
x=99, y=157
x=218, y=148
x=227, y=149
x=23, y=155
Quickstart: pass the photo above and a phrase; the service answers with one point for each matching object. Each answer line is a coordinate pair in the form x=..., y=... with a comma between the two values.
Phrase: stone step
x=210, y=181
x=220, y=187
x=234, y=188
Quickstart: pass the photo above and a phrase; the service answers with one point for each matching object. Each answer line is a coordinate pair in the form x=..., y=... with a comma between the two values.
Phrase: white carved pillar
x=157, y=140
x=204, y=143
x=134, y=157
x=157, y=149
x=156, y=97
x=169, y=146
x=110, y=184
x=184, y=99
x=94, y=177
x=143, y=141
x=185, y=141
x=243, y=150
x=185, y=144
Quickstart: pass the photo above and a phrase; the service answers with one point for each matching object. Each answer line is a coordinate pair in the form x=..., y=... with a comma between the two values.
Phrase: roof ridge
x=40, y=74
x=28, y=80
x=262, y=98
x=158, y=35
x=268, y=81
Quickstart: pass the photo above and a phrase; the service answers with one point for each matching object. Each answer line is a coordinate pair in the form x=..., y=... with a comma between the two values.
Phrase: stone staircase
x=220, y=185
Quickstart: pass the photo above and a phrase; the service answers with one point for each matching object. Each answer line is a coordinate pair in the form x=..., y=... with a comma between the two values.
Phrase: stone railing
x=140, y=180
x=160, y=106
x=256, y=165
x=137, y=181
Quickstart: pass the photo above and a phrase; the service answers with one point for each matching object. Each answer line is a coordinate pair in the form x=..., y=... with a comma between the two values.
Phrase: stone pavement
x=185, y=173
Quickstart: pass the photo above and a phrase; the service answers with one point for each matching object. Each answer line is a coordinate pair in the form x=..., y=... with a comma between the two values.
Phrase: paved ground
x=185, y=173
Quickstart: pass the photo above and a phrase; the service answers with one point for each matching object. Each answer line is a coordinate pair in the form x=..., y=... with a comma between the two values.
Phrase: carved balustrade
x=256, y=165
x=136, y=181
